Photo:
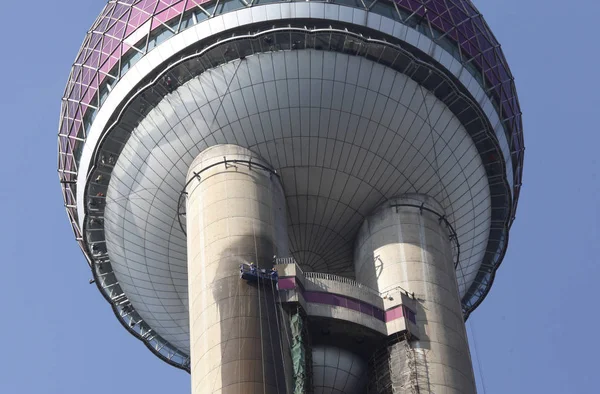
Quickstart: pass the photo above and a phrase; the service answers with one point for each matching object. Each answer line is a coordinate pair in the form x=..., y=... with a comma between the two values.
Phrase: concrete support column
x=398, y=245
x=235, y=214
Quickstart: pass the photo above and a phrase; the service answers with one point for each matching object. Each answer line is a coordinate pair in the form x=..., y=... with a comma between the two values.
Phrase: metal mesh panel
x=397, y=368
x=301, y=355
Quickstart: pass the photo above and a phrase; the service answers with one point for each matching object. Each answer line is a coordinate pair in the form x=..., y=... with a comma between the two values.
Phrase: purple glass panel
x=379, y=314
x=136, y=20
x=355, y=305
x=319, y=298
x=94, y=59
x=116, y=30
x=101, y=24
x=286, y=283
x=345, y=302
x=161, y=6
x=148, y=6
x=108, y=65
x=191, y=4
x=469, y=29
x=337, y=300
x=178, y=8
x=86, y=75
x=437, y=8
x=156, y=22
x=411, y=5
x=163, y=17
x=410, y=315
x=367, y=309
x=398, y=312
x=89, y=95
x=94, y=40
x=393, y=314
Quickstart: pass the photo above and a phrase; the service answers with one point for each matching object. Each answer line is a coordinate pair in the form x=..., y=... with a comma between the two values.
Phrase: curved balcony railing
x=311, y=276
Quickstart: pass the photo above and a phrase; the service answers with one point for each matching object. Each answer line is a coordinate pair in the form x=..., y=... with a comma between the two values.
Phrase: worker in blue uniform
x=274, y=273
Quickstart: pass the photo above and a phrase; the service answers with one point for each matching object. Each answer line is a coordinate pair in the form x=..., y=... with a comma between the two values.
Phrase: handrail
x=351, y=282
x=341, y=279
x=285, y=260
x=290, y=260
x=336, y=278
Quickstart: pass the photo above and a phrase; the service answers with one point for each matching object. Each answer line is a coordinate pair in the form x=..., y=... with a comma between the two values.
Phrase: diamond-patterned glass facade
x=104, y=49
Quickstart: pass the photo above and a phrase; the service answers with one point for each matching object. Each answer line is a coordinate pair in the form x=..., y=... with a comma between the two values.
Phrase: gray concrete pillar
x=235, y=214
x=400, y=246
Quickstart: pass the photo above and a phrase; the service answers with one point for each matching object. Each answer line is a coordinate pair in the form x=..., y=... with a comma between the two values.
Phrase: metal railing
x=288, y=261
x=285, y=260
x=311, y=276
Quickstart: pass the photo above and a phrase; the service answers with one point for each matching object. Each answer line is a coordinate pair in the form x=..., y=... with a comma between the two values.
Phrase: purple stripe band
x=286, y=283
x=350, y=303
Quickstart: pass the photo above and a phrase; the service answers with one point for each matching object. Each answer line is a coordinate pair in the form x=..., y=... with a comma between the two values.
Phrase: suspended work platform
x=251, y=273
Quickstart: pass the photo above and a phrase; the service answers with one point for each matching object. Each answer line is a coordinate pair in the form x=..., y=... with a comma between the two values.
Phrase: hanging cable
x=262, y=345
x=228, y=336
x=477, y=356
x=262, y=355
x=240, y=346
x=280, y=307
x=424, y=93
x=274, y=290
x=277, y=305
x=288, y=334
x=224, y=94
x=271, y=336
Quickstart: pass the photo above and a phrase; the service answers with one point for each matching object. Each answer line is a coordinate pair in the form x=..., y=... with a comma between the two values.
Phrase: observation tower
x=370, y=152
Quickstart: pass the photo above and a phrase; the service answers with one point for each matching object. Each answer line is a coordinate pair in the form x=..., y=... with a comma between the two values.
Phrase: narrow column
x=402, y=245
x=235, y=214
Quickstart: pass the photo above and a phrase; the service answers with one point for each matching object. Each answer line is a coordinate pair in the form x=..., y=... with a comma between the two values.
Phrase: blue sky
x=535, y=333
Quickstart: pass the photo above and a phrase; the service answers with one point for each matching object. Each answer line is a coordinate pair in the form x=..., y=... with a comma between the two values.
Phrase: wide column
x=403, y=245
x=235, y=214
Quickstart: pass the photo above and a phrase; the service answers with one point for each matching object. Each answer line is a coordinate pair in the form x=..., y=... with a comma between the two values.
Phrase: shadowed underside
x=345, y=132
x=338, y=154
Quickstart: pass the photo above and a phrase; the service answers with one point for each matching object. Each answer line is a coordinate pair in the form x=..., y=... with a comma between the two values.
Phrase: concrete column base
x=400, y=245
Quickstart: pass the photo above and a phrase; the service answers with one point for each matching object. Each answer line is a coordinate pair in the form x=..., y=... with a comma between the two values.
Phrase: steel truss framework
x=105, y=57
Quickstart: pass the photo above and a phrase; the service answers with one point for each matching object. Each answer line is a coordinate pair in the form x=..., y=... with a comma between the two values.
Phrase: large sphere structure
x=353, y=103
